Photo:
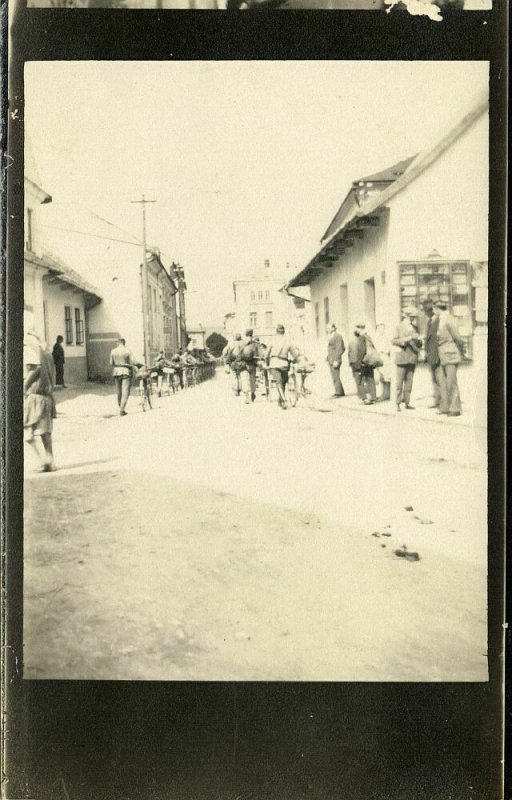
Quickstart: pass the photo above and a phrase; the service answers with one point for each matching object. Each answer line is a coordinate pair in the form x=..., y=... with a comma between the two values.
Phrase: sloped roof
x=390, y=174
x=386, y=176
x=416, y=166
x=64, y=273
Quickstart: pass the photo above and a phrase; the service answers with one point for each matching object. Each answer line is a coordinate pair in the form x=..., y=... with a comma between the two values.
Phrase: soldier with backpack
x=249, y=356
x=232, y=359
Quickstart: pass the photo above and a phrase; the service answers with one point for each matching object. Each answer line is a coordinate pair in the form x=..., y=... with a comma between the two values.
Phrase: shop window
x=449, y=281
x=79, y=326
x=68, y=324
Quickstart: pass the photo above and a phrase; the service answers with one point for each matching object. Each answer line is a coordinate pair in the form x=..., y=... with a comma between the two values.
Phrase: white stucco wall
x=366, y=259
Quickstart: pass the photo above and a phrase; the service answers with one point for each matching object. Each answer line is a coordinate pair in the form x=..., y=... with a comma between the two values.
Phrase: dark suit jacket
x=335, y=348
x=356, y=352
x=431, y=347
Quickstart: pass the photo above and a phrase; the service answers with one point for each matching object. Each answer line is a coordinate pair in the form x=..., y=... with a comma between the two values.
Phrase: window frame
x=68, y=325
x=79, y=327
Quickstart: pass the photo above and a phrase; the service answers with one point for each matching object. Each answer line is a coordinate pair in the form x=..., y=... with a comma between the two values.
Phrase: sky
x=247, y=160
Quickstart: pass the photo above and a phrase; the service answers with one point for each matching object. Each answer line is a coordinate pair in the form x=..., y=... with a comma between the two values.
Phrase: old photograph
x=434, y=9
x=255, y=370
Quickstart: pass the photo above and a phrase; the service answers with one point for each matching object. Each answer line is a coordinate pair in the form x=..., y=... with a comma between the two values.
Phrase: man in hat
x=408, y=342
x=335, y=350
x=58, y=360
x=278, y=357
x=433, y=360
x=363, y=373
x=451, y=352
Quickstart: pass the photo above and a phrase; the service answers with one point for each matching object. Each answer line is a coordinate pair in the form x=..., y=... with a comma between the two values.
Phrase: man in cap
x=335, y=350
x=408, y=342
x=363, y=373
x=123, y=365
x=249, y=355
x=278, y=357
x=232, y=359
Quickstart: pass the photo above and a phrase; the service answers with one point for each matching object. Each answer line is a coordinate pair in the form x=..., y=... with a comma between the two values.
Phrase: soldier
x=232, y=359
x=249, y=355
x=278, y=357
x=123, y=365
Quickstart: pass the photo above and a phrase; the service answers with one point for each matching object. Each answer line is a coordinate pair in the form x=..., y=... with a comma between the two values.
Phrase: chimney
x=287, y=265
x=267, y=265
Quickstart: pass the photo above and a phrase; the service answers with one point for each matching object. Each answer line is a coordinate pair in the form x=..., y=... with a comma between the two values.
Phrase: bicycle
x=145, y=388
x=296, y=388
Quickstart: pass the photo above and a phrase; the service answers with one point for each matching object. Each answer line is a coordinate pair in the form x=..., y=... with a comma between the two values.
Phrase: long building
x=418, y=229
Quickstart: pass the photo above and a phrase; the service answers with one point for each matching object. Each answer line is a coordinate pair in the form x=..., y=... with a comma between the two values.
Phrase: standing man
x=58, y=360
x=122, y=369
x=335, y=350
x=278, y=356
x=363, y=373
x=451, y=350
x=249, y=355
x=407, y=340
x=232, y=359
x=433, y=360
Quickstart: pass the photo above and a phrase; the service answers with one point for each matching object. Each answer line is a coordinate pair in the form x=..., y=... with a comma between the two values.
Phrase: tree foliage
x=216, y=344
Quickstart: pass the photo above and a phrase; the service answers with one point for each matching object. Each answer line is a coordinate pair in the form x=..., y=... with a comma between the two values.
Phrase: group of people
x=370, y=359
x=125, y=367
x=442, y=345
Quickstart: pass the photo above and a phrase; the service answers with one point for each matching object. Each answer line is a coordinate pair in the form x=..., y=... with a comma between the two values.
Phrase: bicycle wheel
x=143, y=397
x=291, y=390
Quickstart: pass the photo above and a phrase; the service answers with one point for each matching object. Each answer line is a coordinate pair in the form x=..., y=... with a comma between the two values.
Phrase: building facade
x=261, y=304
x=138, y=304
x=57, y=299
x=414, y=231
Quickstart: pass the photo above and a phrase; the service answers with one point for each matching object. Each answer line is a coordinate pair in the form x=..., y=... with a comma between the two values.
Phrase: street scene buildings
x=269, y=463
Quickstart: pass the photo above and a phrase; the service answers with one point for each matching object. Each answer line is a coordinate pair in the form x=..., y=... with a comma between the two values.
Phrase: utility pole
x=145, y=314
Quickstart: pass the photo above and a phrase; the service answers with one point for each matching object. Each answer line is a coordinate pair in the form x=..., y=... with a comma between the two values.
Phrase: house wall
x=446, y=208
x=56, y=298
x=276, y=302
x=365, y=260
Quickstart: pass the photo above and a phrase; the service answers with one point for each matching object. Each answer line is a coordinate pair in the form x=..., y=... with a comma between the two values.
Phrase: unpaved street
x=212, y=540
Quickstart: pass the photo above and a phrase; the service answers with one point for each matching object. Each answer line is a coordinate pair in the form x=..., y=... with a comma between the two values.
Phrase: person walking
x=451, y=353
x=249, y=355
x=123, y=365
x=38, y=401
x=363, y=373
x=433, y=360
x=58, y=360
x=233, y=361
x=406, y=338
x=278, y=356
x=383, y=347
x=335, y=350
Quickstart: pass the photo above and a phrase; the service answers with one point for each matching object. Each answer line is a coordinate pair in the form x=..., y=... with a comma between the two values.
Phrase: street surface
x=212, y=540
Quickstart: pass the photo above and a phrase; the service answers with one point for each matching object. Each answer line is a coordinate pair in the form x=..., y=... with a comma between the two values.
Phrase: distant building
x=261, y=304
x=197, y=337
x=144, y=312
x=416, y=230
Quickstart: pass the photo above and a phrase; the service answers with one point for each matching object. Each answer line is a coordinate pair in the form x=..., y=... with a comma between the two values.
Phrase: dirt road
x=209, y=540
